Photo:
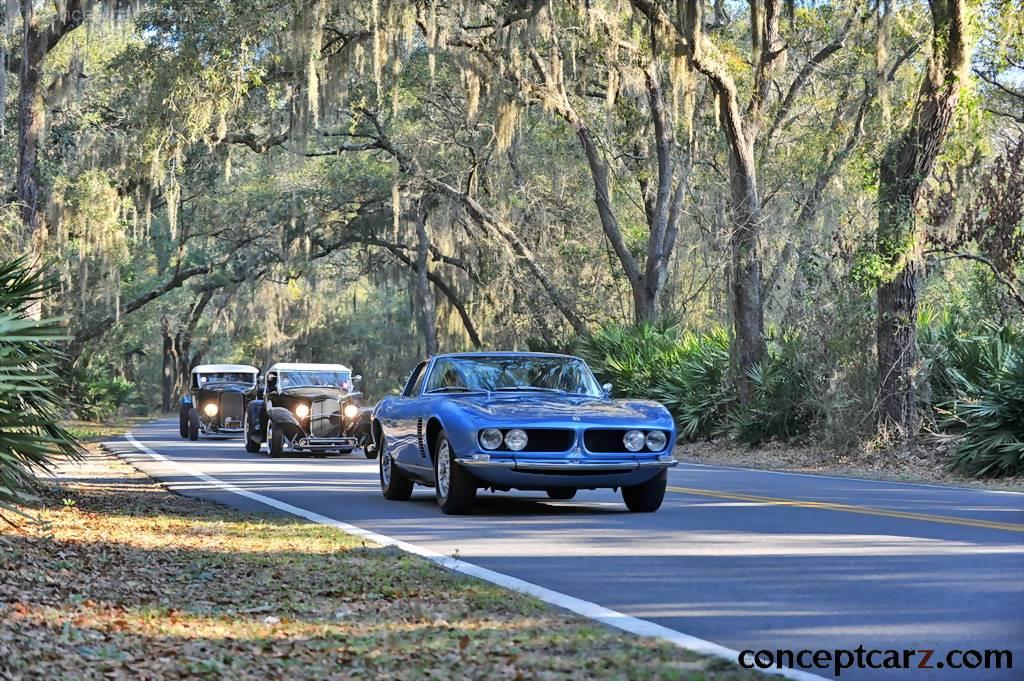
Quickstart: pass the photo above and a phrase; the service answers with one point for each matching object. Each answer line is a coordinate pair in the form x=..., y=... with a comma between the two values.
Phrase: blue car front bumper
x=537, y=473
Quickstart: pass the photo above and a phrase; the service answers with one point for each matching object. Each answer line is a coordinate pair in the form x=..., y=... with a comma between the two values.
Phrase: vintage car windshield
x=312, y=378
x=221, y=377
x=541, y=374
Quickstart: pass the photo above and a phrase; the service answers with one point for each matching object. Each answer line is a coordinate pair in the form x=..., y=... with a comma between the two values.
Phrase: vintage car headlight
x=210, y=409
x=656, y=440
x=634, y=440
x=351, y=411
x=302, y=410
x=490, y=438
x=515, y=440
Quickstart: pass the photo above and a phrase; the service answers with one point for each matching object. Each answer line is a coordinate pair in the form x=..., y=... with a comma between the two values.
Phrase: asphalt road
x=746, y=559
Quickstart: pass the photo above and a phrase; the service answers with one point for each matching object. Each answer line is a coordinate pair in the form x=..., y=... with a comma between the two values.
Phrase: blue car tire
x=394, y=484
x=454, y=486
x=647, y=496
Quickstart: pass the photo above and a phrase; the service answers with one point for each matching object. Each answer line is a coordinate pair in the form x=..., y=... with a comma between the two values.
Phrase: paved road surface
x=746, y=559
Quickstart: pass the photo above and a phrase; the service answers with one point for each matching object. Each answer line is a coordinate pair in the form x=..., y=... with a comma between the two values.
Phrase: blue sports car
x=519, y=420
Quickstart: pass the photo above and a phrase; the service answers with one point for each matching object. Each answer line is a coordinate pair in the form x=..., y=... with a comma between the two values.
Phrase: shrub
x=784, y=403
x=30, y=401
x=977, y=394
x=99, y=394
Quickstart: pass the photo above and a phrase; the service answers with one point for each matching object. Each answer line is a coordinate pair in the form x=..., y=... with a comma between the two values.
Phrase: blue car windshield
x=525, y=373
x=326, y=379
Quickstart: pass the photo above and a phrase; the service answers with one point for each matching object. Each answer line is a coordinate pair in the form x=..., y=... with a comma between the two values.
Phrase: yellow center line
x=848, y=508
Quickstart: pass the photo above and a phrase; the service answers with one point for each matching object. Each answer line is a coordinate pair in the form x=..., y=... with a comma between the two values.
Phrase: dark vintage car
x=218, y=395
x=310, y=408
x=517, y=420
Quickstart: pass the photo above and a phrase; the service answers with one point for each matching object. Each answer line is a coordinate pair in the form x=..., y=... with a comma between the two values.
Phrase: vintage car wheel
x=394, y=484
x=252, y=445
x=561, y=493
x=454, y=486
x=183, y=420
x=193, y=424
x=647, y=496
x=275, y=441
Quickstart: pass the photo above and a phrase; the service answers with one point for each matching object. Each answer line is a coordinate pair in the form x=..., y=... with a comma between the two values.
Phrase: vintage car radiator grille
x=232, y=406
x=325, y=418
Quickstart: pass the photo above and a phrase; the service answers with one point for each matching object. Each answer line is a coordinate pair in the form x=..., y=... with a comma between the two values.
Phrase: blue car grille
x=545, y=440
x=608, y=441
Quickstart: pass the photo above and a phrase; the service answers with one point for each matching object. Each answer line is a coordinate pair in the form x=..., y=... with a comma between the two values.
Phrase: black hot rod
x=308, y=408
x=218, y=395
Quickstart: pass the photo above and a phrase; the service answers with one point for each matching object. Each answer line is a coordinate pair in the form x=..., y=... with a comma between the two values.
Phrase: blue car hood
x=534, y=407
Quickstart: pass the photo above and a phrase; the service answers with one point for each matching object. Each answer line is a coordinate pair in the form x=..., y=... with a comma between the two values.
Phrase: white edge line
x=592, y=611
x=955, y=488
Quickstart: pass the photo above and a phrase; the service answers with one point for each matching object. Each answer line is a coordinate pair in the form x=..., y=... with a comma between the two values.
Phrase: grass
x=126, y=579
x=97, y=431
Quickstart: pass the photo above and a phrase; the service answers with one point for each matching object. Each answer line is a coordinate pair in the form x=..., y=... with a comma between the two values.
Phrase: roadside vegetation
x=971, y=394
x=31, y=399
x=127, y=579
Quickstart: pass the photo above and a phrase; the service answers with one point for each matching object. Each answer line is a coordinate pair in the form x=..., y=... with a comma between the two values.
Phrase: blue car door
x=405, y=424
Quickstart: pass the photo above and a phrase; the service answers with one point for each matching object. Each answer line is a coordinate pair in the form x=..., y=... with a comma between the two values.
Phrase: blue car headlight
x=656, y=440
x=634, y=440
x=490, y=438
x=515, y=439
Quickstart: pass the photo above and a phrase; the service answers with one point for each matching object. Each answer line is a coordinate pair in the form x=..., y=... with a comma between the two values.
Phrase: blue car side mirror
x=607, y=388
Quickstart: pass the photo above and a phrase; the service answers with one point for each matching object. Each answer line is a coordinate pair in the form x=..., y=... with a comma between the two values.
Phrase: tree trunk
x=30, y=125
x=170, y=371
x=905, y=168
x=424, y=296
x=748, y=348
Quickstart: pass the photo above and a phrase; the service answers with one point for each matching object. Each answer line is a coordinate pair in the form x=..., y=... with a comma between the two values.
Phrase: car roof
x=503, y=353
x=225, y=368
x=307, y=366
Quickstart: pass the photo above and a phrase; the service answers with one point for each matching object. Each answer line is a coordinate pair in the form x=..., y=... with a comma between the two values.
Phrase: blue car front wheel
x=454, y=486
x=394, y=484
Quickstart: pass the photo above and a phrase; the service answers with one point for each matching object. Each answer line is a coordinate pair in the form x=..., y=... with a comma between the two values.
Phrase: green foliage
x=784, y=402
x=689, y=373
x=30, y=401
x=977, y=394
x=99, y=394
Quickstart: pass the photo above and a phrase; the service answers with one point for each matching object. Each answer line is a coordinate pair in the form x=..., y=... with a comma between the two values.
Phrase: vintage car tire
x=460, y=492
x=275, y=441
x=252, y=445
x=646, y=497
x=193, y=424
x=394, y=484
x=561, y=493
x=183, y=420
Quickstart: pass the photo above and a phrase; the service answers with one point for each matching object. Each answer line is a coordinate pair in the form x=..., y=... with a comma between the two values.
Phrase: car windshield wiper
x=452, y=389
x=508, y=388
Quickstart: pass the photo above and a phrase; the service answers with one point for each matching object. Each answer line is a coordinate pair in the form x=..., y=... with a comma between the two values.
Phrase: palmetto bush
x=684, y=370
x=98, y=394
x=689, y=373
x=785, y=396
x=977, y=394
x=30, y=401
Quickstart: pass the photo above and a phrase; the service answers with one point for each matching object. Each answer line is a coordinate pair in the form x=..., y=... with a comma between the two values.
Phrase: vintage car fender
x=285, y=420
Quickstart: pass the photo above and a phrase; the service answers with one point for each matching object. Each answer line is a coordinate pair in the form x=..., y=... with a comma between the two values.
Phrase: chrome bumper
x=564, y=465
x=324, y=442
